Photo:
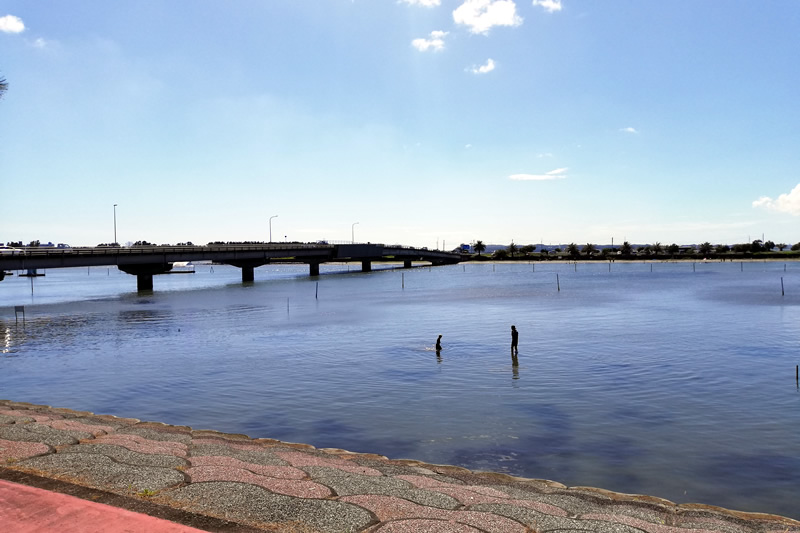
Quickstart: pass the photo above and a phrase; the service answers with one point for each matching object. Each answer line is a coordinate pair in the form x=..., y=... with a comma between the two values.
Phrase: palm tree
x=626, y=248
x=781, y=246
x=512, y=249
x=705, y=249
x=589, y=249
x=3, y=86
x=657, y=248
x=572, y=249
x=673, y=249
x=479, y=247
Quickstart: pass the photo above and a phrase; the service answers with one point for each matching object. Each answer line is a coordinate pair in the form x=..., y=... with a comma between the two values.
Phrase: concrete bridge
x=146, y=261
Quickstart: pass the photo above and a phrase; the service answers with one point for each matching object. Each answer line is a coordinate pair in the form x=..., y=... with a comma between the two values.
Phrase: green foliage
x=796, y=247
x=3, y=86
x=500, y=254
x=479, y=247
x=572, y=249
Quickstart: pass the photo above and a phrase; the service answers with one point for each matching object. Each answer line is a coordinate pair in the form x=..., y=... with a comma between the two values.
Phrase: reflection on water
x=667, y=379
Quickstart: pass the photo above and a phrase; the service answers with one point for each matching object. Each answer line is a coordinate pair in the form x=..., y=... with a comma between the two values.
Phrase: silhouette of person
x=439, y=344
x=514, y=340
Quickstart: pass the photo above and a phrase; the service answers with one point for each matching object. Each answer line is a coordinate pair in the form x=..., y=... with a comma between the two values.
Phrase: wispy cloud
x=629, y=130
x=11, y=24
x=785, y=203
x=548, y=5
x=482, y=15
x=557, y=174
x=485, y=68
x=425, y=3
x=435, y=42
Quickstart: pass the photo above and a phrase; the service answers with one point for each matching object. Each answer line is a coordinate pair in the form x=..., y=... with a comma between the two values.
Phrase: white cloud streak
x=435, y=42
x=548, y=5
x=424, y=3
x=785, y=203
x=482, y=15
x=484, y=69
x=11, y=24
x=557, y=174
x=629, y=130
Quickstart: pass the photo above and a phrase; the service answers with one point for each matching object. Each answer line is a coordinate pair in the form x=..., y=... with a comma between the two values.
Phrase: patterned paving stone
x=390, y=508
x=33, y=415
x=34, y=432
x=12, y=451
x=257, y=507
x=642, y=525
x=124, y=455
x=290, y=487
x=140, y=444
x=75, y=425
x=160, y=435
x=300, y=459
x=424, y=526
x=279, y=472
x=259, y=455
x=101, y=472
x=352, y=484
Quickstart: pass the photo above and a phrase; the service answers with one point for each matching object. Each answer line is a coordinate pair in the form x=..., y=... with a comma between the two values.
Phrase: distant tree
x=512, y=249
x=34, y=243
x=572, y=250
x=796, y=247
x=527, y=249
x=500, y=254
x=657, y=248
x=644, y=250
x=673, y=249
x=742, y=248
x=705, y=249
x=558, y=250
x=479, y=247
x=589, y=249
x=756, y=246
x=722, y=249
x=781, y=246
x=626, y=248
x=3, y=86
x=768, y=246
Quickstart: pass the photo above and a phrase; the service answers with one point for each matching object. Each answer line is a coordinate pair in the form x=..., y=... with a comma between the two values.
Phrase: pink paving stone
x=425, y=526
x=474, y=495
x=300, y=459
x=28, y=414
x=229, y=444
x=279, y=472
x=72, y=425
x=139, y=444
x=642, y=524
x=392, y=508
x=12, y=449
x=289, y=487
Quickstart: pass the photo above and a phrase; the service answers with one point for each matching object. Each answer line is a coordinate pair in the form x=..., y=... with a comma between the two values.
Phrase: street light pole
x=270, y=226
x=115, y=223
x=353, y=233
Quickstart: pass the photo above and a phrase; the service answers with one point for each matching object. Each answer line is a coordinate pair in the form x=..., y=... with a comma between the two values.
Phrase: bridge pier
x=144, y=273
x=366, y=266
x=313, y=269
x=248, y=274
x=406, y=264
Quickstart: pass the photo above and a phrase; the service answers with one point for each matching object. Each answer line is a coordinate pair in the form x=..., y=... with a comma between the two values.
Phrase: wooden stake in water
x=782, y=293
x=316, y=294
x=558, y=283
x=403, y=280
x=694, y=267
x=287, y=306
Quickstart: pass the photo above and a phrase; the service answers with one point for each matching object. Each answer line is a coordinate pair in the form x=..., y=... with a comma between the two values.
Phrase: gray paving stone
x=124, y=455
x=257, y=507
x=38, y=433
x=153, y=434
x=259, y=457
x=541, y=522
x=101, y=472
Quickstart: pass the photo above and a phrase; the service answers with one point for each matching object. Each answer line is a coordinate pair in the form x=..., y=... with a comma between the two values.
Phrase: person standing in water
x=439, y=344
x=514, y=340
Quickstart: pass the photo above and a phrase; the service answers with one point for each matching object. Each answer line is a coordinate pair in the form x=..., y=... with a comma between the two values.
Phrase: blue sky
x=427, y=122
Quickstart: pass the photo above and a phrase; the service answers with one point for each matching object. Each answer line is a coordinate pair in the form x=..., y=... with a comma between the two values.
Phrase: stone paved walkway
x=243, y=484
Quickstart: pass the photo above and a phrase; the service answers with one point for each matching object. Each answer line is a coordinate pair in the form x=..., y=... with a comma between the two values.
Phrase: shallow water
x=670, y=379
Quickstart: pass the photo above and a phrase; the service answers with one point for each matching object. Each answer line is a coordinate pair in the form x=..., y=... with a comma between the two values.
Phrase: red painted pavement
x=26, y=509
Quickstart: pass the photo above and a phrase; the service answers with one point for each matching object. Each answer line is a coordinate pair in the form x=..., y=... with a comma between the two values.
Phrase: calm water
x=677, y=382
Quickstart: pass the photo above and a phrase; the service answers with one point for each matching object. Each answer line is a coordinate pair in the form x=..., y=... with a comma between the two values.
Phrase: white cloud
x=557, y=174
x=629, y=130
x=435, y=42
x=483, y=69
x=425, y=3
x=11, y=24
x=483, y=15
x=785, y=203
x=40, y=43
x=548, y=5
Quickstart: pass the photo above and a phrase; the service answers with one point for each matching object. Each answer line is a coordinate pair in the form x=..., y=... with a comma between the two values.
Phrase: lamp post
x=353, y=233
x=270, y=226
x=115, y=223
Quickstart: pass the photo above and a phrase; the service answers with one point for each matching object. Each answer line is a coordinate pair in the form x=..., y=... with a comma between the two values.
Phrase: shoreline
x=264, y=483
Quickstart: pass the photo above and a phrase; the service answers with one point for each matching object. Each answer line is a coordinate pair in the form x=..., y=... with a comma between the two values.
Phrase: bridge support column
x=406, y=264
x=248, y=274
x=313, y=269
x=366, y=266
x=144, y=273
